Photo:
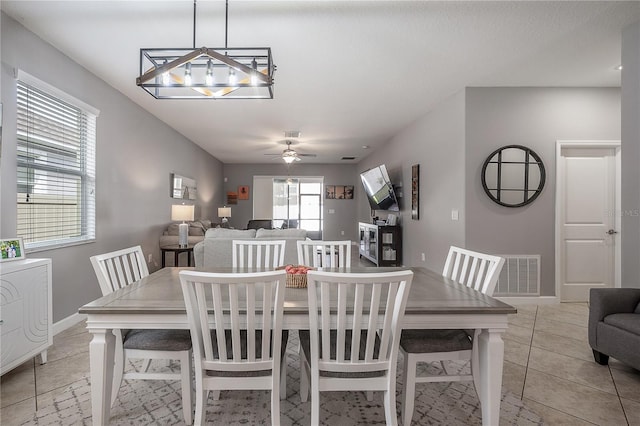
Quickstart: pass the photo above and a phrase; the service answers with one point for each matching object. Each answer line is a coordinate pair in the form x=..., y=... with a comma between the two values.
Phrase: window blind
x=55, y=169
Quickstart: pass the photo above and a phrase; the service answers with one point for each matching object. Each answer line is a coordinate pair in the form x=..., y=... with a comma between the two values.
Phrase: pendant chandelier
x=206, y=73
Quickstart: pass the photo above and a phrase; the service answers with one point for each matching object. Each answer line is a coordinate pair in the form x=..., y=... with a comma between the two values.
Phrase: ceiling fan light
x=232, y=77
x=289, y=158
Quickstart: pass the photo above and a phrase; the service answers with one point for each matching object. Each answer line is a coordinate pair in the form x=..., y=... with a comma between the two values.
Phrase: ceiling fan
x=289, y=155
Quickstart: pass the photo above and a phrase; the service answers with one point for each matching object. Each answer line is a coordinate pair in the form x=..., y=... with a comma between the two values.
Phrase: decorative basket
x=295, y=280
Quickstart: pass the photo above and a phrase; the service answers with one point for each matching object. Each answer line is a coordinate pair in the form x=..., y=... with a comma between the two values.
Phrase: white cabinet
x=25, y=311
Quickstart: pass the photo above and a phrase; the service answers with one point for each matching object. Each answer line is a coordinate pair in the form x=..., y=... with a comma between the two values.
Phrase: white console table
x=25, y=311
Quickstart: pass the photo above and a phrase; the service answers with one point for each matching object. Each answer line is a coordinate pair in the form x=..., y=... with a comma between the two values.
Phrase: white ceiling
x=349, y=73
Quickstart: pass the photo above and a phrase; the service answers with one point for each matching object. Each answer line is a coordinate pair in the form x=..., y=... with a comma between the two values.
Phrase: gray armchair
x=614, y=325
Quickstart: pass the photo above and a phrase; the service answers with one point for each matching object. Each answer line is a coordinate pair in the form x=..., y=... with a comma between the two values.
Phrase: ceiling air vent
x=348, y=158
x=292, y=134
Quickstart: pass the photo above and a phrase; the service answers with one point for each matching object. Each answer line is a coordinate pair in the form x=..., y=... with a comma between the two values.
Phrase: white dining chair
x=328, y=254
x=117, y=270
x=348, y=346
x=267, y=254
x=475, y=270
x=257, y=253
x=233, y=318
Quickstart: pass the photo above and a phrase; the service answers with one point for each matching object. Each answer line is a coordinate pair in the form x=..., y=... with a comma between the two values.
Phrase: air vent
x=292, y=134
x=348, y=158
x=520, y=276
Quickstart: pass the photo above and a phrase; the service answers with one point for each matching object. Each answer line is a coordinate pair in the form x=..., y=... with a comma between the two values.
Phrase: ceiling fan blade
x=306, y=155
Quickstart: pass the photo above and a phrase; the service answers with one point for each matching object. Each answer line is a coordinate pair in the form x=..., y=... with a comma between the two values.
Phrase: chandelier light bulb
x=209, y=77
x=254, y=73
x=187, y=74
x=232, y=77
x=166, y=78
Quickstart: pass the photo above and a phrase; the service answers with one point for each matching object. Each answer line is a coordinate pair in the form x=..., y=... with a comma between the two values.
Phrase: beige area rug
x=159, y=403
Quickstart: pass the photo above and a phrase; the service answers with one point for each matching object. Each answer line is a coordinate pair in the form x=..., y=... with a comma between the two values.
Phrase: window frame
x=86, y=171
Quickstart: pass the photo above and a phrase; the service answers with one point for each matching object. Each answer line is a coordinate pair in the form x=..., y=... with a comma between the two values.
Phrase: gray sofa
x=215, y=249
x=614, y=325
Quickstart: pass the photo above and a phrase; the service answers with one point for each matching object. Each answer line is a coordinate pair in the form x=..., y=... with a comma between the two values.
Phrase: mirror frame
x=529, y=154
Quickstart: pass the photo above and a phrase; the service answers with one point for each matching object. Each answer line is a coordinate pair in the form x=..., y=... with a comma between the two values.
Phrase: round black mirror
x=513, y=176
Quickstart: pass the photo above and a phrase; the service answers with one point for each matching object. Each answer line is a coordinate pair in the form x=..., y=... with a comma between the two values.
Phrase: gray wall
x=344, y=218
x=135, y=155
x=631, y=157
x=536, y=118
x=436, y=143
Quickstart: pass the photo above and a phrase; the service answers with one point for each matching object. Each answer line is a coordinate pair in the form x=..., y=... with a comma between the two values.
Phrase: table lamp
x=224, y=213
x=182, y=212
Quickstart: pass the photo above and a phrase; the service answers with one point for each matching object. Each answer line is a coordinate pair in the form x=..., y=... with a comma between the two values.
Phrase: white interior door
x=586, y=185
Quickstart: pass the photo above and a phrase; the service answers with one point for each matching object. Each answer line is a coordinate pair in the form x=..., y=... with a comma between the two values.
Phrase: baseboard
x=535, y=300
x=68, y=322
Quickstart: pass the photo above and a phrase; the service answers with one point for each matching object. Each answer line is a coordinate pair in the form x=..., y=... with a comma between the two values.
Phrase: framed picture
x=232, y=197
x=348, y=192
x=11, y=249
x=415, y=191
x=182, y=187
x=243, y=192
x=339, y=192
x=330, y=192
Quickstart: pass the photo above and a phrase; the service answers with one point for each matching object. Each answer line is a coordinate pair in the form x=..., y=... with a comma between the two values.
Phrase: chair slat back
x=257, y=253
x=328, y=254
x=361, y=299
x=119, y=268
x=476, y=270
x=239, y=308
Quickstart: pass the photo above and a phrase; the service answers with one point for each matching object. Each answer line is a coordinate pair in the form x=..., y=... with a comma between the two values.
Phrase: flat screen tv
x=379, y=189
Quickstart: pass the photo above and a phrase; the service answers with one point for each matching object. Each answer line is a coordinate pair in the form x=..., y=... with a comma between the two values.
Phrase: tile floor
x=548, y=364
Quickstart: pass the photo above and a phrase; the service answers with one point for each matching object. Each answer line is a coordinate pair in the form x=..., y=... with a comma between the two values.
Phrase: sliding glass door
x=297, y=203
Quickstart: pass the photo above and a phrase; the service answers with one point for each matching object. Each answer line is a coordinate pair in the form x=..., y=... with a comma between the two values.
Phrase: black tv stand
x=381, y=244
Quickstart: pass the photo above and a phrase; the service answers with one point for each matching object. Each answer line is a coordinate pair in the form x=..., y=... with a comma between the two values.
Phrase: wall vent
x=520, y=276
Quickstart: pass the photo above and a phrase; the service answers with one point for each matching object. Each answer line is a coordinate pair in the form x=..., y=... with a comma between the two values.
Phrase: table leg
x=175, y=258
x=490, y=358
x=101, y=353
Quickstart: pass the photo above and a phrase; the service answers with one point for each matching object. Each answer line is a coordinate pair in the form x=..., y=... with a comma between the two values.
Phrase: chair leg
x=201, y=402
x=390, y=408
x=283, y=378
x=305, y=374
x=315, y=403
x=369, y=395
x=216, y=395
x=275, y=405
x=409, y=391
x=187, y=390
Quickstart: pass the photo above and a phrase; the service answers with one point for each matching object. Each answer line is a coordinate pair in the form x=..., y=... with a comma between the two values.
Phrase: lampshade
x=182, y=212
x=224, y=211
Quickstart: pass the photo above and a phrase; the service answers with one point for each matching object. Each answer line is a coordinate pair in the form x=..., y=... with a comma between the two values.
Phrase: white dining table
x=156, y=302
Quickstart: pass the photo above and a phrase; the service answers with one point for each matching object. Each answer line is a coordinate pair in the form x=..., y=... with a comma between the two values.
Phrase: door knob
x=612, y=232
